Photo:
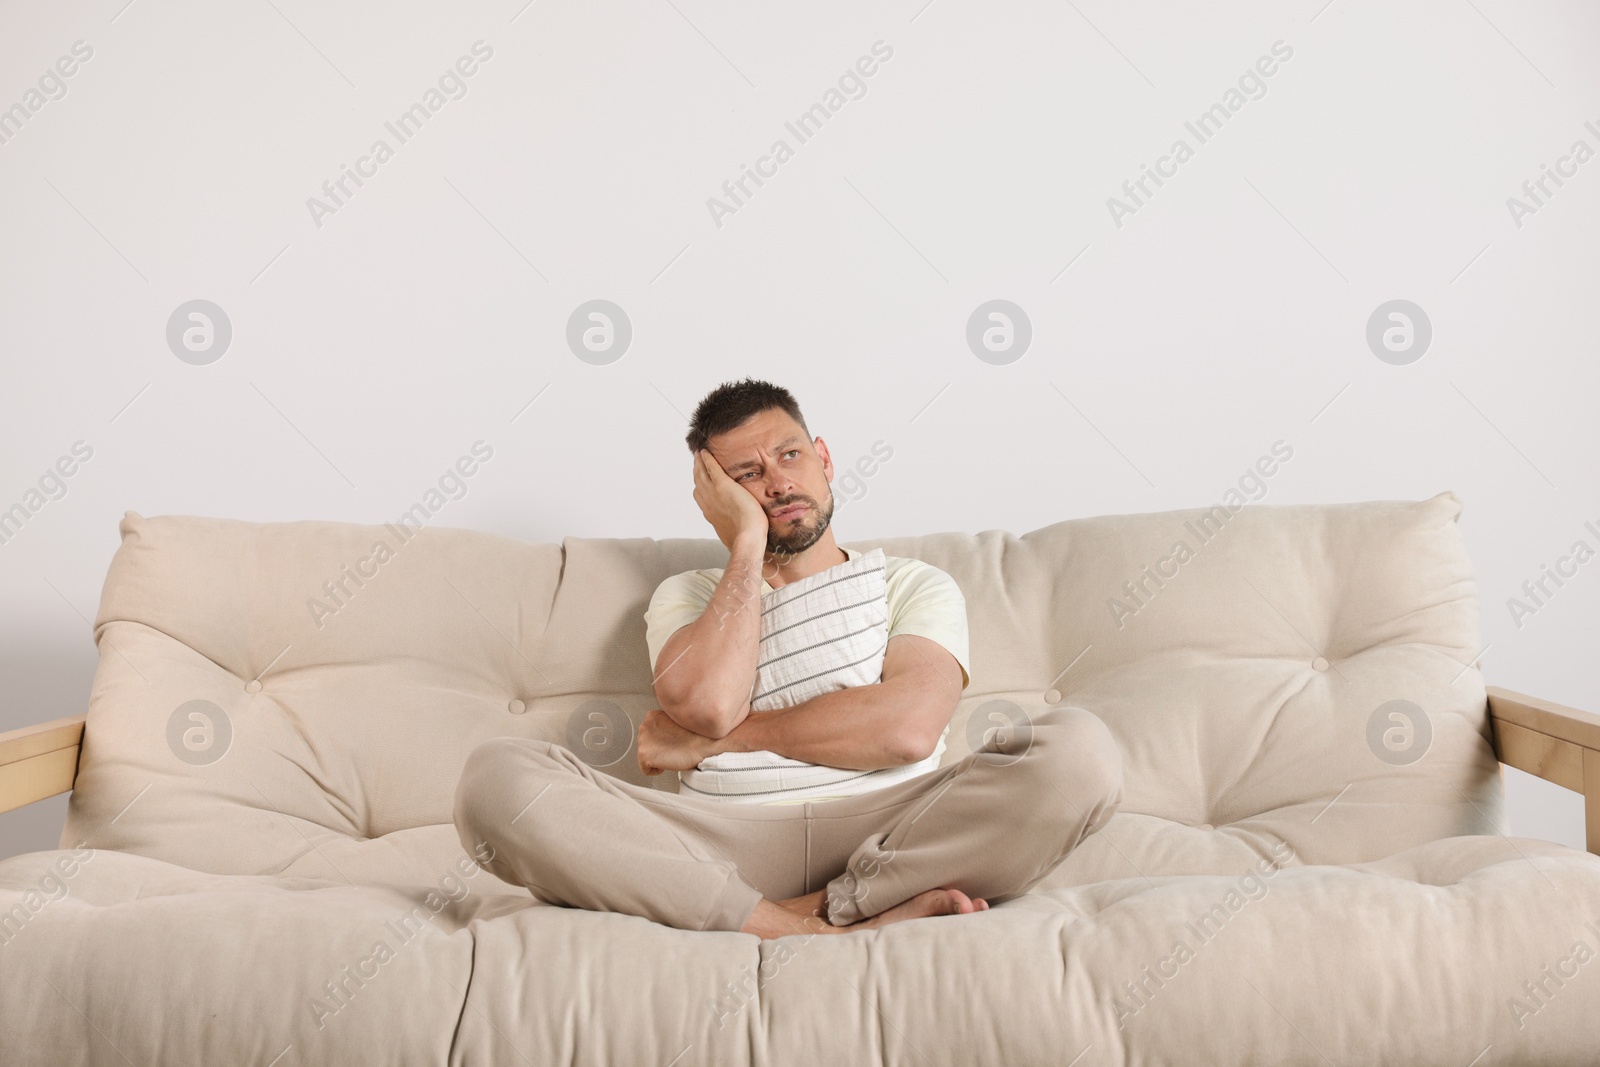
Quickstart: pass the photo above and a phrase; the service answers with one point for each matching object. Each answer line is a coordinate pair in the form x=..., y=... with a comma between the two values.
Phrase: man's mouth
x=793, y=511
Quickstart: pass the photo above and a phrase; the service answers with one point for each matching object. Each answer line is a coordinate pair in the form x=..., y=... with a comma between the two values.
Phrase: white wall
x=373, y=345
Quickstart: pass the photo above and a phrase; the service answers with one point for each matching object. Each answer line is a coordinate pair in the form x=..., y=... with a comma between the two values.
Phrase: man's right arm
x=705, y=673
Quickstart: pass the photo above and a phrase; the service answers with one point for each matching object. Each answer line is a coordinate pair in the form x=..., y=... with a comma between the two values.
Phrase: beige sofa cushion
x=343, y=675
x=1417, y=959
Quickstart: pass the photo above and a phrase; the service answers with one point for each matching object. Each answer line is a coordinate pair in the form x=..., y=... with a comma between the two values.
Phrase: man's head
x=755, y=432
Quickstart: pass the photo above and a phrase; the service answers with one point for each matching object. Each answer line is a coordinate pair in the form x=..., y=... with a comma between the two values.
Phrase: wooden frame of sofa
x=1556, y=743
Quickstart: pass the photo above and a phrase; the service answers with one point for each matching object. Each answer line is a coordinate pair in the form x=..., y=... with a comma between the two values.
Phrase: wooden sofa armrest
x=1554, y=742
x=39, y=761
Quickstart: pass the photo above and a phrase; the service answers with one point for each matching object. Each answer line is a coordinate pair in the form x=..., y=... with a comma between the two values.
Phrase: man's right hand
x=730, y=509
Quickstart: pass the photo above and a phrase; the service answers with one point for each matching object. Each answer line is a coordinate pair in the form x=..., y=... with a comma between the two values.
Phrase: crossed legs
x=979, y=831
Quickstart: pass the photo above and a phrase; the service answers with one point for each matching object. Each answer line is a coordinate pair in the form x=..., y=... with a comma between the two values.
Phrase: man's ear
x=827, y=460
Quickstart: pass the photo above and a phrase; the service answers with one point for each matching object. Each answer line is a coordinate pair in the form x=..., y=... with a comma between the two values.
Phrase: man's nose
x=778, y=486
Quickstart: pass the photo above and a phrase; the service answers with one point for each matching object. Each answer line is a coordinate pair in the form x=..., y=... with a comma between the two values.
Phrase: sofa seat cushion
x=113, y=958
x=1424, y=957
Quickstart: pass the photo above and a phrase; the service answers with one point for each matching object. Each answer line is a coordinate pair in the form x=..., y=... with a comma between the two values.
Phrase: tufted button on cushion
x=517, y=707
x=1319, y=664
x=1205, y=826
x=1052, y=696
x=253, y=686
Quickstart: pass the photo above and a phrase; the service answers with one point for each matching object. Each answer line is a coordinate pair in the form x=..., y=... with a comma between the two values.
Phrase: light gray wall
x=1172, y=344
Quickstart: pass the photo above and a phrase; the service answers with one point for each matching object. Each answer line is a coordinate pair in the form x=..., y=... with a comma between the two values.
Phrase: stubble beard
x=790, y=544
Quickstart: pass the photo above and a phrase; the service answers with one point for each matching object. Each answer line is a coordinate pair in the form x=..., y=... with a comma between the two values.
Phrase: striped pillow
x=822, y=633
x=819, y=634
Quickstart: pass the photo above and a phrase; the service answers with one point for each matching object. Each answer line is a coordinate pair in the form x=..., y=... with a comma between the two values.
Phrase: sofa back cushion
x=300, y=697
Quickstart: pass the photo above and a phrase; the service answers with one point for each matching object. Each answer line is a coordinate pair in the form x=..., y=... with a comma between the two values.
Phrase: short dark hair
x=730, y=404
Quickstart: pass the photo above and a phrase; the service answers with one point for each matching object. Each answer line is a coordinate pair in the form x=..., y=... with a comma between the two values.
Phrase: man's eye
x=792, y=452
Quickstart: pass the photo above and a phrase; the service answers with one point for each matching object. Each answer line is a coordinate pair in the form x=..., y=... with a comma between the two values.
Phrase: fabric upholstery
x=1241, y=681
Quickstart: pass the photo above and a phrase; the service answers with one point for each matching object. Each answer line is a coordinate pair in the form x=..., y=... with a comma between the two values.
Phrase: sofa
x=1310, y=865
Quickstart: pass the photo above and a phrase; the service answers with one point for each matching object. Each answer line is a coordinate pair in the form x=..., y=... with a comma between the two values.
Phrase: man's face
x=770, y=456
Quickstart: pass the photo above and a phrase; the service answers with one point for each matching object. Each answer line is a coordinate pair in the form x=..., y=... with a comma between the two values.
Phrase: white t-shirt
x=922, y=600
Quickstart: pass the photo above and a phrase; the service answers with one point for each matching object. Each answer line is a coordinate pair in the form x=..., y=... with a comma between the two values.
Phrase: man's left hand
x=666, y=746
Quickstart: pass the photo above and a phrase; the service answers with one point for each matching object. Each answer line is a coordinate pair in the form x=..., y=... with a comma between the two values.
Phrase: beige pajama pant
x=992, y=825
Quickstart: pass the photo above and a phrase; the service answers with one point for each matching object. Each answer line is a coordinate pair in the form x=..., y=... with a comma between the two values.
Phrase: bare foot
x=804, y=914
x=923, y=905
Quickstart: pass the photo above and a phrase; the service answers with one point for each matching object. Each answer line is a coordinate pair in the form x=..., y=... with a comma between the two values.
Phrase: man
x=945, y=841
